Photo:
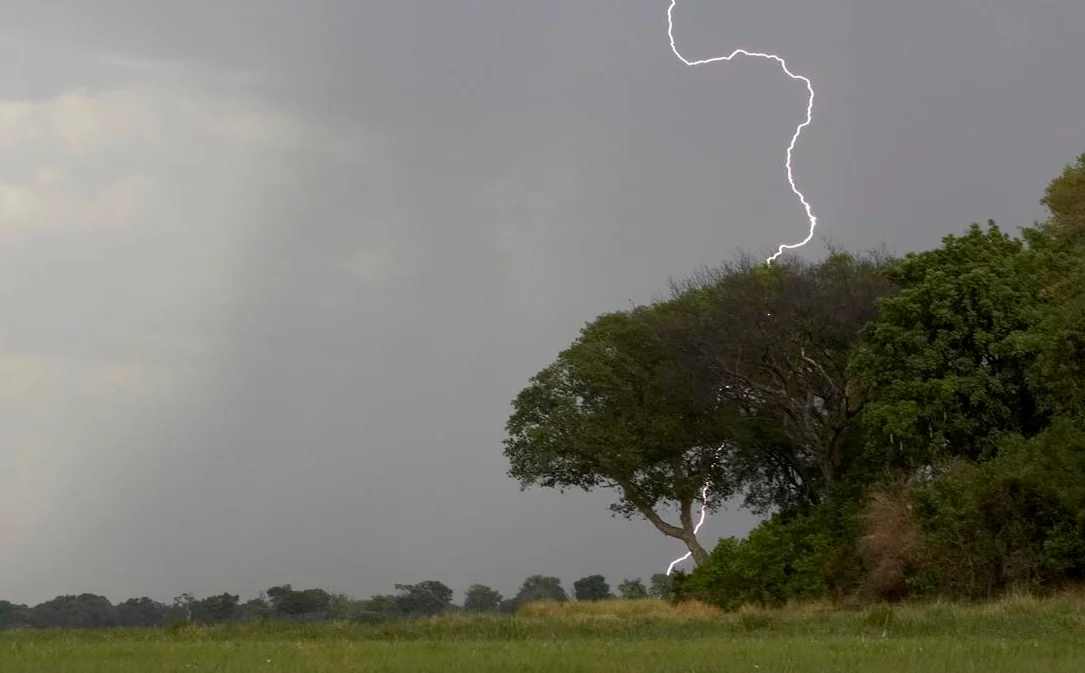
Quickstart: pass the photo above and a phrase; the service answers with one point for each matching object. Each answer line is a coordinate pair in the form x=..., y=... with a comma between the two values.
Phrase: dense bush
x=1015, y=522
x=974, y=531
x=788, y=557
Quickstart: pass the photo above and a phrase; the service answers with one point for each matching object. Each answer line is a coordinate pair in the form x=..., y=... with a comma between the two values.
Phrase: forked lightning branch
x=811, y=219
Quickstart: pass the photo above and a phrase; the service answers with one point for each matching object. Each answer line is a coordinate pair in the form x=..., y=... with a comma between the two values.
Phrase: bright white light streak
x=794, y=138
x=704, y=512
x=811, y=218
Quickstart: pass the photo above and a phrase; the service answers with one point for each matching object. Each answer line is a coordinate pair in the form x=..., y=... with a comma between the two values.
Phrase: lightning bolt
x=811, y=218
x=794, y=138
x=704, y=512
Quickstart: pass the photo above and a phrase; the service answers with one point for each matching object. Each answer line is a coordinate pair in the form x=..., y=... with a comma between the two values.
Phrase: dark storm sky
x=271, y=271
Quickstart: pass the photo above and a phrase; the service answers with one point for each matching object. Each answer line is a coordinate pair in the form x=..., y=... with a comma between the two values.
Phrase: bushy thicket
x=788, y=557
x=1017, y=521
x=970, y=480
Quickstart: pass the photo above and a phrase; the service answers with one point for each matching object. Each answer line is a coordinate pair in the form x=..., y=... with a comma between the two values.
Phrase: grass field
x=1016, y=634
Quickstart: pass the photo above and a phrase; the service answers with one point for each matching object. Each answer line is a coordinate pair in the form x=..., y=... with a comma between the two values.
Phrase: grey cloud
x=339, y=323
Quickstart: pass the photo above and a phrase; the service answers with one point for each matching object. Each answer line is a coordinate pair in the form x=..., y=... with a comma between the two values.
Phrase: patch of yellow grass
x=619, y=609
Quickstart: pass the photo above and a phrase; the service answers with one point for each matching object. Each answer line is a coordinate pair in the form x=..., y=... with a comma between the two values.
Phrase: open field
x=1017, y=634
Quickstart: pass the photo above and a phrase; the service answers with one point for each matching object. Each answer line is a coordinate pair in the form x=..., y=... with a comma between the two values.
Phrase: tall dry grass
x=619, y=609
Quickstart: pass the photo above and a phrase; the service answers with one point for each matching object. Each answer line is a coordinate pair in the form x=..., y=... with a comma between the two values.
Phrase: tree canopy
x=591, y=588
x=738, y=383
x=946, y=365
x=617, y=410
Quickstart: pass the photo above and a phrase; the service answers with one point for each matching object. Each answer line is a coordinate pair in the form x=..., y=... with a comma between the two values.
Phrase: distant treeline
x=284, y=603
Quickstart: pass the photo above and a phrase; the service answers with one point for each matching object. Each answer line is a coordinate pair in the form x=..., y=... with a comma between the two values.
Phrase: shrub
x=1015, y=522
x=795, y=557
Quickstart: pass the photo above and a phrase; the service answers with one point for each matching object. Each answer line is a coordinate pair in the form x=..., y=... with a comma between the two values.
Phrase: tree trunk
x=700, y=556
x=689, y=535
x=684, y=532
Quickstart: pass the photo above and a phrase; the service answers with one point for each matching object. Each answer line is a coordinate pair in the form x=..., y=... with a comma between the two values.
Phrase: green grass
x=1017, y=634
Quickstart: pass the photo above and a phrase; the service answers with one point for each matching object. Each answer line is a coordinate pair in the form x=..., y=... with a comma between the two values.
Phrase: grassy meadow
x=1013, y=634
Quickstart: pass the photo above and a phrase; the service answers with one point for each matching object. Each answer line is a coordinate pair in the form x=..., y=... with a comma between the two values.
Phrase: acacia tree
x=738, y=383
x=618, y=410
x=777, y=342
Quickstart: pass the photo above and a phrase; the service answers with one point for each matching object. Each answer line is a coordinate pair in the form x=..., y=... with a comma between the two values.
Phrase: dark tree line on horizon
x=286, y=604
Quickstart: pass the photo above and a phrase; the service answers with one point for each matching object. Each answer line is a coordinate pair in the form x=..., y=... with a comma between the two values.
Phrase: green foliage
x=214, y=609
x=592, y=588
x=1065, y=199
x=343, y=607
x=1006, y=639
x=778, y=341
x=481, y=598
x=785, y=558
x=1017, y=521
x=541, y=588
x=78, y=611
x=632, y=589
x=618, y=409
x=946, y=365
x=1060, y=344
x=425, y=598
x=384, y=603
x=1060, y=337
x=137, y=612
x=661, y=586
x=285, y=600
x=738, y=383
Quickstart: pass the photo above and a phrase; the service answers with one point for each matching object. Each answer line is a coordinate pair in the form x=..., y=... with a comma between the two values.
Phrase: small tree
x=616, y=410
x=215, y=609
x=541, y=588
x=632, y=589
x=661, y=586
x=425, y=598
x=133, y=612
x=1065, y=199
x=255, y=609
x=381, y=605
x=592, y=588
x=286, y=601
x=481, y=598
x=1060, y=336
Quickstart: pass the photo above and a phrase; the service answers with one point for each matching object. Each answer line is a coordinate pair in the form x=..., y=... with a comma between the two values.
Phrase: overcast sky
x=271, y=270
